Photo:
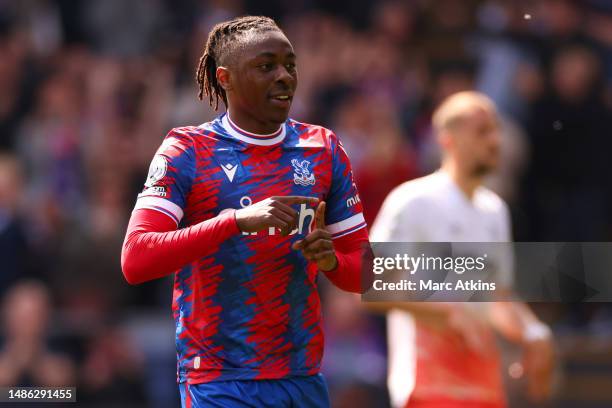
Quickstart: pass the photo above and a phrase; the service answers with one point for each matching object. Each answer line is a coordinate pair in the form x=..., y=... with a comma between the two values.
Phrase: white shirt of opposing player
x=434, y=209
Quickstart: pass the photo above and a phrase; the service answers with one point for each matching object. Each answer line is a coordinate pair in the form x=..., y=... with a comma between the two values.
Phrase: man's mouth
x=282, y=100
x=282, y=97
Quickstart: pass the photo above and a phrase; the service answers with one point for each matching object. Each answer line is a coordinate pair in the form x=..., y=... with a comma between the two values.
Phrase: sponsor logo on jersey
x=353, y=200
x=305, y=219
x=159, y=191
x=301, y=174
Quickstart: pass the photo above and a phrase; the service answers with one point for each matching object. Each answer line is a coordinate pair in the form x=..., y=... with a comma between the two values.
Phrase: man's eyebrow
x=268, y=54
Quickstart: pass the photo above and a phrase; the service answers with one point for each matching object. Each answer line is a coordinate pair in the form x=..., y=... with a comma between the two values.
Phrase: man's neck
x=250, y=125
x=466, y=182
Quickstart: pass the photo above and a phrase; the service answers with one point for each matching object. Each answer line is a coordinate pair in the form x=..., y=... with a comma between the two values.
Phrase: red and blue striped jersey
x=249, y=307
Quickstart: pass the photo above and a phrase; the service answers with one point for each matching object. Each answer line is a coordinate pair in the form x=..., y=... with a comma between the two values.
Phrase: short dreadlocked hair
x=219, y=45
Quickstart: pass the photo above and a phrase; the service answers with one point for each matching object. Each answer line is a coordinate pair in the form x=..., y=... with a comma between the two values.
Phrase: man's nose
x=284, y=76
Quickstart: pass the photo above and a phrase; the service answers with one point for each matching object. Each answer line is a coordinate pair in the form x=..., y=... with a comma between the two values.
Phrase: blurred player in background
x=219, y=207
x=444, y=354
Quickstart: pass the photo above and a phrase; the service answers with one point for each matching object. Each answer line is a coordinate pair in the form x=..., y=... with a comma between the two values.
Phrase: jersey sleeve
x=170, y=177
x=344, y=212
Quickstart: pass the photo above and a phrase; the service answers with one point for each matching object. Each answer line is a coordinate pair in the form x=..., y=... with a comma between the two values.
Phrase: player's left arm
x=340, y=259
x=515, y=321
x=339, y=243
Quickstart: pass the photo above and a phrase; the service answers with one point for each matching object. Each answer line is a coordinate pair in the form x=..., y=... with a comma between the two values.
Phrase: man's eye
x=266, y=67
x=290, y=67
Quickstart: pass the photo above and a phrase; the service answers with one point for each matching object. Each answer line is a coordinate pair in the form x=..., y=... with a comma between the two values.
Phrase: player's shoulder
x=312, y=134
x=310, y=128
x=178, y=139
x=411, y=202
x=192, y=131
x=182, y=133
x=420, y=191
x=185, y=136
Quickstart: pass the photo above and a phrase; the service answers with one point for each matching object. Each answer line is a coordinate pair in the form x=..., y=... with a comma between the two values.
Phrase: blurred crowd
x=89, y=89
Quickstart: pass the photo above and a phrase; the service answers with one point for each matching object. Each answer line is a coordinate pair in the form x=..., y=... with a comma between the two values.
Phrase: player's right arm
x=154, y=247
x=404, y=218
x=401, y=219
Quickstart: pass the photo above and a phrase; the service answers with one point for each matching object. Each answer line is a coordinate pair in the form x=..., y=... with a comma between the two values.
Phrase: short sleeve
x=344, y=213
x=399, y=220
x=392, y=224
x=170, y=176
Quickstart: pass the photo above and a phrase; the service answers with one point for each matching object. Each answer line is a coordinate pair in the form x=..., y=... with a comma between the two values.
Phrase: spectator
x=15, y=248
x=570, y=194
x=25, y=358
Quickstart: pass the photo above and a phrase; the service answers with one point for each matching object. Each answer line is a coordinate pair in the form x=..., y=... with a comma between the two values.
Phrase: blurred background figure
x=15, y=248
x=111, y=373
x=89, y=89
x=445, y=354
x=26, y=358
x=570, y=202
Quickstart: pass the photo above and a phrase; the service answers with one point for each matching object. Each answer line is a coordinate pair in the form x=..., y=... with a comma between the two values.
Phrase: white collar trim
x=253, y=138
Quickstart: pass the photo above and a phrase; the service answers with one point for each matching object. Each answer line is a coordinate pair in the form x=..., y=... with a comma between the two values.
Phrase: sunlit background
x=89, y=88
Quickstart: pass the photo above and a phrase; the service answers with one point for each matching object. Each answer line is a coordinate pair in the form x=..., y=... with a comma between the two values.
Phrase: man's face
x=476, y=142
x=263, y=78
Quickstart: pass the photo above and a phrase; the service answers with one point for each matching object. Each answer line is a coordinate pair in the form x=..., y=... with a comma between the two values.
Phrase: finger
x=320, y=216
x=285, y=213
x=308, y=255
x=322, y=255
x=315, y=239
x=311, y=251
x=298, y=245
x=274, y=221
x=318, y=245
x=290, y=219
x=316, y=235
x=289, y=214
x=316, y=255
x=290, y=200
x=285, y=208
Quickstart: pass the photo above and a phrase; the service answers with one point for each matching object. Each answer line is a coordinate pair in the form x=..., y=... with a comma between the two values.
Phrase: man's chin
x=278, y=117
x=484, y=170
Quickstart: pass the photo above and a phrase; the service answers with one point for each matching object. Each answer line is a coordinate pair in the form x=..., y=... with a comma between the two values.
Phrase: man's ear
x=223, y=78
x=445, y=139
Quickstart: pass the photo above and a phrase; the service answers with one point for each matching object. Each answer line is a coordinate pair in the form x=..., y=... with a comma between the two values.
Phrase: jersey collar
x=459, y=194
x=253, y=138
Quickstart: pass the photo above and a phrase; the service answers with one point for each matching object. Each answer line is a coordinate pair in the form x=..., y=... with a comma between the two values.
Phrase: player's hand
x=272, y=212
x=538, y=363
x=317, y=246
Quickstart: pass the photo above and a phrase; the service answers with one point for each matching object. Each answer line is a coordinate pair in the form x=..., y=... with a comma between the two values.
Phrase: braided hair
x=218, y=46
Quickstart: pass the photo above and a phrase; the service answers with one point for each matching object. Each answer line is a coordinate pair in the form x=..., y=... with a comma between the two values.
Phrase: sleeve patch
x=157, y=170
